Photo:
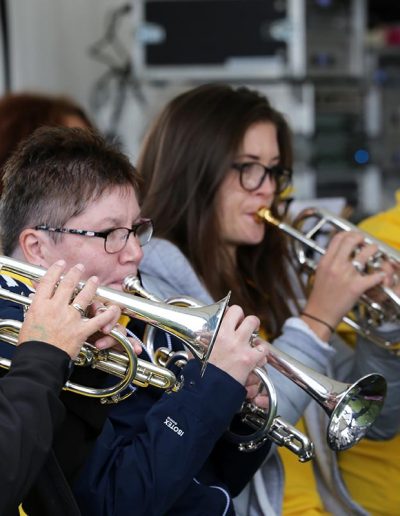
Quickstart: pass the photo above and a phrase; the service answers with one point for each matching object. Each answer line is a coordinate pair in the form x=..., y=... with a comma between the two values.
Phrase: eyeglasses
x=253, y=174
x=114, y=239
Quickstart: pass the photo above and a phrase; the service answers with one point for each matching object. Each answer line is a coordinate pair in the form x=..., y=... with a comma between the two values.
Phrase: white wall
x=50, y=41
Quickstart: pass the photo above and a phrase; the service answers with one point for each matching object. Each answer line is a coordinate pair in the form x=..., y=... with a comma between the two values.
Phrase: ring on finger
x=253, y=336
x=79, y=308
x=359, y=267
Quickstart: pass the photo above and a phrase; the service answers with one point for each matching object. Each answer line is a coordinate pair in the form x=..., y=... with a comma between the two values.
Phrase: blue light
x=361, y=156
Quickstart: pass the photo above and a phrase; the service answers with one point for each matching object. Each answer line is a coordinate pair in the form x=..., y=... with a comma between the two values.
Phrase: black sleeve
x=236, y=468
x=30, y=410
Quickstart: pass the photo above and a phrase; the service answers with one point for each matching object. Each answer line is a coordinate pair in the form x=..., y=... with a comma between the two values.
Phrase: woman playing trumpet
x=213, y=157
x=30, y=407
x=68, y=194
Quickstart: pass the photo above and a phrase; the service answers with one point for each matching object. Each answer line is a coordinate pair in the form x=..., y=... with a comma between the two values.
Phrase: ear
x=35, y=246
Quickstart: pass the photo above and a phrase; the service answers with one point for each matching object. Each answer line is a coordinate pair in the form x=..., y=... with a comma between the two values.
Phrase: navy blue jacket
x=30, y=410
x=165, y=454
x=50, y=491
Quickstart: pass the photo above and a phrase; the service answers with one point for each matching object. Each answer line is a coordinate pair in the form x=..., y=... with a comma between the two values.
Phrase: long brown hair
x=184, y=159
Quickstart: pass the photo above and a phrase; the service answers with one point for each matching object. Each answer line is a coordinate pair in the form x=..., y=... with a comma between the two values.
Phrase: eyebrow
x=112, y=221
x=256, y=158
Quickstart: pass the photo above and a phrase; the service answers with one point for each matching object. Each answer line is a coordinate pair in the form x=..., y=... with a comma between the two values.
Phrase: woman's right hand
x=338, y=284
x=52, y=318
x=232, y=351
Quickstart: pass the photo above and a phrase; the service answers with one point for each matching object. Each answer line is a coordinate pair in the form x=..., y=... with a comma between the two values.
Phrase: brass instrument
x=352, y=408
x=196, y=327
x=88, y=355
x=380, y=305
x=268, y=426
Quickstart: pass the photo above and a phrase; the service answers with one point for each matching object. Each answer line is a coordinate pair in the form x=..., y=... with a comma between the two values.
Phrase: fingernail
x=60, y=263
x=95, y=279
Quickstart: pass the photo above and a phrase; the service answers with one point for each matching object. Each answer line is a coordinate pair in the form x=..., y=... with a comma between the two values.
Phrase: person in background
x=30, y=406
x=21, y=113
x=376, y=463
x=212, y=158
x=67, y=194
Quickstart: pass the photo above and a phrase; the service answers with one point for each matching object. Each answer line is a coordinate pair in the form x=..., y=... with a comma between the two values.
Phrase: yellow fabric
x=124, y=320
x=301, y=496
x=371, y=470
x=386, y=225
x=20, y=278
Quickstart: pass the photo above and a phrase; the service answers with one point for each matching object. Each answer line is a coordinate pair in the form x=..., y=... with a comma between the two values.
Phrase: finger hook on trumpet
x=268, y=425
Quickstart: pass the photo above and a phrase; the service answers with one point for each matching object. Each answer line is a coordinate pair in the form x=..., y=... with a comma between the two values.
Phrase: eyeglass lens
x=117, y=239
x=254, y=174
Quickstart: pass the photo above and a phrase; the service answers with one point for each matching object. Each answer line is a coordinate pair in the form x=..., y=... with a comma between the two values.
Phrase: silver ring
x=253, y=336
x=78, y=307
x=359, y=267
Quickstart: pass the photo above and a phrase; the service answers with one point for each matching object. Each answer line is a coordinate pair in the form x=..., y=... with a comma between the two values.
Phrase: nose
x=132, y=252
x=267, y=187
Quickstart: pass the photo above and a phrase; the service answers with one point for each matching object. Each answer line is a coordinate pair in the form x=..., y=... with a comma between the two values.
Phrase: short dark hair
x=53, y=175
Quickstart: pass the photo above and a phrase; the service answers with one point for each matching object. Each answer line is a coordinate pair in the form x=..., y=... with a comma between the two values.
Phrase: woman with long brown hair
x=212, y=158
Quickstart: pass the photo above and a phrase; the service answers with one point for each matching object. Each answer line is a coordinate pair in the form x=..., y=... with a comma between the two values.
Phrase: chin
x=256, y=238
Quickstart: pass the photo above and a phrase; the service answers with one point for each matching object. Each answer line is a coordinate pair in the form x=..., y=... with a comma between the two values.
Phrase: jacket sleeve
x=301, y=344
x=236, y=468
x=29, y=412
x=150, y=450
x=368, y=358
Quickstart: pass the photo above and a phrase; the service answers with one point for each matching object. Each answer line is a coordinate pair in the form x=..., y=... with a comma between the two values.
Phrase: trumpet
x=197, y=328
x=380, y=305
x=352, y=408
x=267, y=424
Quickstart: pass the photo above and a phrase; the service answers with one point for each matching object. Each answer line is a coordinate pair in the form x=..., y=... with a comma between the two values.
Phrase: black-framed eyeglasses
x=253, y=174
x=115, y=239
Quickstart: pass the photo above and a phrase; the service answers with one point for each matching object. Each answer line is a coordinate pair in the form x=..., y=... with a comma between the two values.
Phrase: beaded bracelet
x=319, y=320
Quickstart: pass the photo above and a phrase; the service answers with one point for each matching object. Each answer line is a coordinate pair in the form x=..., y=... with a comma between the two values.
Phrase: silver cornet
x=352, y=408
x=381, y=304
x=265, y=422
x=197, y=328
